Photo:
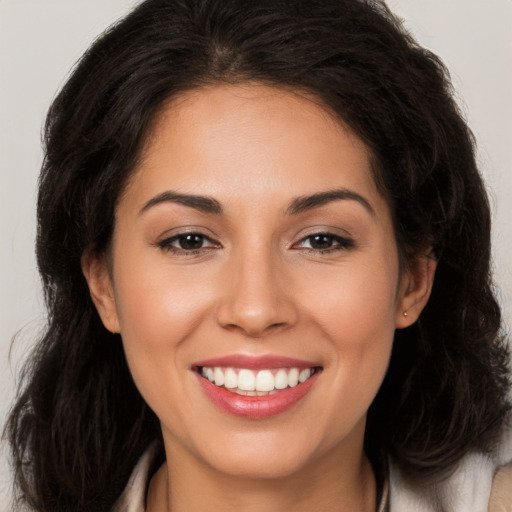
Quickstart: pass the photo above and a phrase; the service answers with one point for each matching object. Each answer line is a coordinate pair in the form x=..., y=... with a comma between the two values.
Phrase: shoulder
x=501, y=490
x=134, y=495
x=476, y=485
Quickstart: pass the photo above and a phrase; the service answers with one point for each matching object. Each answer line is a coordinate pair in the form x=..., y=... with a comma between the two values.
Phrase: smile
x=249, y=382
x=256, y=387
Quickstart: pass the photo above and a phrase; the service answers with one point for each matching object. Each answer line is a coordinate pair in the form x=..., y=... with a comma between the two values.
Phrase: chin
x=263, y=467
x=262, y=456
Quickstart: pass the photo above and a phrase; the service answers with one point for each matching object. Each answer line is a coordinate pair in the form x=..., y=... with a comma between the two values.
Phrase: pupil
x=191, y=242
x=321, y=241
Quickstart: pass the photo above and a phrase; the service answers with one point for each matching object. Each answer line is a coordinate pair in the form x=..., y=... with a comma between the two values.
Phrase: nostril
x=255, y=330
x=256, y=305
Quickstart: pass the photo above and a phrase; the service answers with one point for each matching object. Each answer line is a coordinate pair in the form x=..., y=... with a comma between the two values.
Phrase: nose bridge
x=255, y=299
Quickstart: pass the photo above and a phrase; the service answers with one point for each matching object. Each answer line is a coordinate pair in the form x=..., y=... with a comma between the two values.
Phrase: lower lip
x=256, y=407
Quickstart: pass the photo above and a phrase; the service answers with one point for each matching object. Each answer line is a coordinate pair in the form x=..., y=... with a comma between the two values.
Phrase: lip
x=256, y=407
x=256, y=362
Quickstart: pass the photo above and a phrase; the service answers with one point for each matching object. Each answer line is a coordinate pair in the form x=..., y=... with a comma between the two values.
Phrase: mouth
x=251, y=382
x=256, y=388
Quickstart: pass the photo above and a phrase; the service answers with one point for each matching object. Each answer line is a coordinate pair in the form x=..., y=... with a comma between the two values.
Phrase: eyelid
x=185, y=230
x=173, y=238
x=165, y=241
x=342, y=242
x=323, y=229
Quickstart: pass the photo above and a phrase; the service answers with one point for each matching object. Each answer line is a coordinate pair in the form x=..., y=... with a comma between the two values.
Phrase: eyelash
x=342, y=243
x=339, y=243
x=166, y=244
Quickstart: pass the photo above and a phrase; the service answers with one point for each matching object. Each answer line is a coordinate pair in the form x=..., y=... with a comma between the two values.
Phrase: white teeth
x=219, y=376
x=254, y=382
x=264, y=381
x=230, y=379
x=281, y=379
x=293, y=377
x=303, y=375
x=246, y=380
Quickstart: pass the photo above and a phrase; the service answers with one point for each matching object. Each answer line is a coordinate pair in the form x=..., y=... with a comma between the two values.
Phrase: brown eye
x=325, y=242
x=191, y=241
x=187, y=243
x=321, y=241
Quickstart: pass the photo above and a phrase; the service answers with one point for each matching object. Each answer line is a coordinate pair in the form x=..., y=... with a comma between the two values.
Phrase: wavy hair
x=79, y=424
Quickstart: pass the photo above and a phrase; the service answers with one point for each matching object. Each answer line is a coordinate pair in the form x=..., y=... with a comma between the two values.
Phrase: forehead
x=230, y=141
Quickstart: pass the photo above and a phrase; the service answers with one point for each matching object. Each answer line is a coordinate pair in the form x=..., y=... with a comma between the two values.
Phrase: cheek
x=356, y=314
x=157, y=302
x=159, y=309
x=355, y=304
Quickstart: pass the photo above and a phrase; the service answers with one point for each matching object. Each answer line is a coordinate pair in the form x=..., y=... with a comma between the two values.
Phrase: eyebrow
x=305, y=203
x=202, y=203
x=299, y=205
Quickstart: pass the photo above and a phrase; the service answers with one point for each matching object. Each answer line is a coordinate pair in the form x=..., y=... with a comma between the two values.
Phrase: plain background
x=40, y=40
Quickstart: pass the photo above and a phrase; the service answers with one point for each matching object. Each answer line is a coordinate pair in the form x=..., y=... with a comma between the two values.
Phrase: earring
x=405, y=313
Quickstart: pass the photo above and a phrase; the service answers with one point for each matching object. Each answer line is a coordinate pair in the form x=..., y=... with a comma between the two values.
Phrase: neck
x=329, y=484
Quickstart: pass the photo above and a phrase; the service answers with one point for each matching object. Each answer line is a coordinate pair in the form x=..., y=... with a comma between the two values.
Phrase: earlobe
x=415, y=290
x=95, y=270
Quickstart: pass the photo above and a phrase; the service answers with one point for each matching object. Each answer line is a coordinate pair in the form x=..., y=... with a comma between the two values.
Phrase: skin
x=256, y=286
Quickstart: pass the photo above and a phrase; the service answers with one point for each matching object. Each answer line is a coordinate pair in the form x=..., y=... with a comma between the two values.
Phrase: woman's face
x=253, y=248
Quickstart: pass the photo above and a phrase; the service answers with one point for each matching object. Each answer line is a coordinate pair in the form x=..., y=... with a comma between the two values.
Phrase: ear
x=96, y=272
x=415, y=287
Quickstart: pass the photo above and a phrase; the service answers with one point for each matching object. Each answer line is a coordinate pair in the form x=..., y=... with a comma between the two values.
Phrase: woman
x=265, y=249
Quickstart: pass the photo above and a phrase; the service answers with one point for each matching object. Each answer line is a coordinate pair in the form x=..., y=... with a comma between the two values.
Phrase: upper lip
x=256, y=362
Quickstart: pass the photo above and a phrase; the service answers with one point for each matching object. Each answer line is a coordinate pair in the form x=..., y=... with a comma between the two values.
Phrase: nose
x=255, y=300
